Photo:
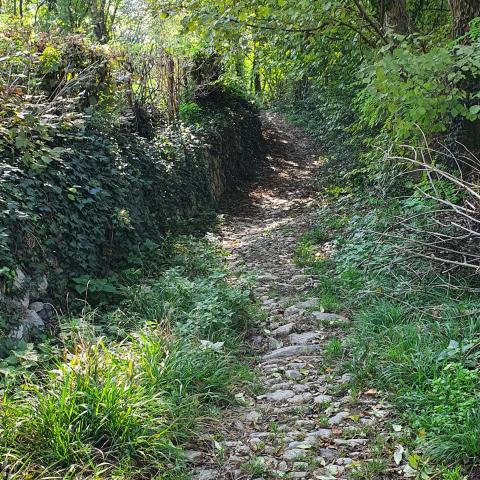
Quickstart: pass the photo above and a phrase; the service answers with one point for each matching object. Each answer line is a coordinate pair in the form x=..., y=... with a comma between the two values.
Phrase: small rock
x=293, y=310
x=299, y=279
x=293, y=374
x=274, y=344
x=345, y=378
x=20, y=279
x=36, y=306
x=309, y=303
x=32, y=319
x=283, y=330
x=319, y=399
x=300, y=398
x=282, y=466
x=303, y=338
x=300, y=466
x=338, y=418
x=328, y=454
x=17, y=333
x=344, y=461
x=294, y=453
x=280, y=395
x=322, y=433
x=353, y=442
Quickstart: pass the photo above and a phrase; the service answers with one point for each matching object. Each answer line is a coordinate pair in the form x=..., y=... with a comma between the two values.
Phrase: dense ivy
x=106, y=191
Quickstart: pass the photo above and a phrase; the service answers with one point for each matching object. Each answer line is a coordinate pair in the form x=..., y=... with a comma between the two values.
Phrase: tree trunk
x=99, y=18
x=463, y=11
x=396, y=16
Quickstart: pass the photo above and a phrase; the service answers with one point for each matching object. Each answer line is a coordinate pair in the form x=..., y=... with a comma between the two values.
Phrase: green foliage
x=190, y=112
x=412, y=90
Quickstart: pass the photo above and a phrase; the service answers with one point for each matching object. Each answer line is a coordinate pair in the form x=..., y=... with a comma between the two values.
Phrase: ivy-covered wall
x=108, y=192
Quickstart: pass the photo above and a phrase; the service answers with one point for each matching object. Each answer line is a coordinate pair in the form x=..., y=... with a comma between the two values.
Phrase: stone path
x=305, y=423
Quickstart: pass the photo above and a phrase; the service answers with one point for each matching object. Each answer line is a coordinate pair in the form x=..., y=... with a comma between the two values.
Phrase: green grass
x=412, y=338
x=123, y=408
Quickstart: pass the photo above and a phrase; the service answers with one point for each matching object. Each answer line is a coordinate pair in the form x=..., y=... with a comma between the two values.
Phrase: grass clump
x=123, y=408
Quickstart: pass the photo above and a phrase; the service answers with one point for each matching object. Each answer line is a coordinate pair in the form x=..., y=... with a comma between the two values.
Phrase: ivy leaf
x=474, y=109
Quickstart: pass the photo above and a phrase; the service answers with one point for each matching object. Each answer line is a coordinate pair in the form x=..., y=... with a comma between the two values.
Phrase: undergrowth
x=121, y=391
x=415, y=333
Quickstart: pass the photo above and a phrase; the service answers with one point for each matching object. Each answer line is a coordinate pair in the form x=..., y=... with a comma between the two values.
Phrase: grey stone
x=322, y=433
x=280, y=395
x=353, y=442
x=20, y=279
x=328, y=454
x=32, y=319
x=205, y=475
x=338, y=418
x=299, y=279
x=292, y=351
x=294, y=453
x=283, y=330
x=293, y=374
x=274, y=343
x=300, y=398
x=293, y=310
x=322, y=399
x=36, y=306
x=303, y=338
x=309, y=303
x=300, y=466
x=345, y=378
x=17, y=333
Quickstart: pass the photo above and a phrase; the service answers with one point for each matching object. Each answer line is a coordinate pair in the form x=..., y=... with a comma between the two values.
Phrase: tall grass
x=123, y=409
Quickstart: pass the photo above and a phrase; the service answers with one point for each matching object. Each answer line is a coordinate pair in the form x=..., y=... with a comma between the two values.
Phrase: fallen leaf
x=398, y=455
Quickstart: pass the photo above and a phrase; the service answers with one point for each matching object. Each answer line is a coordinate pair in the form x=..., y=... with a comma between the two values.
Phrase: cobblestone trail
x=305, y=424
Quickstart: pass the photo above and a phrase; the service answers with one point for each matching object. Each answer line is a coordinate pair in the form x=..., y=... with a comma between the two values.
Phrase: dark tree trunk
x=396, y=16
x=463, y=11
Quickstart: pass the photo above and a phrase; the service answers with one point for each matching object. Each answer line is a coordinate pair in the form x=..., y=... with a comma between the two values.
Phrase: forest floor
x=306, y=422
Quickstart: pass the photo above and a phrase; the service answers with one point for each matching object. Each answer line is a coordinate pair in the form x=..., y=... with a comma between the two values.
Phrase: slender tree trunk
x=256, y=83
x=99, y=20
x=396, y=16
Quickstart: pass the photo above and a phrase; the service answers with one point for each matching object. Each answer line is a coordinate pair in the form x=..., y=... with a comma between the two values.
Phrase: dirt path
x=305, y=424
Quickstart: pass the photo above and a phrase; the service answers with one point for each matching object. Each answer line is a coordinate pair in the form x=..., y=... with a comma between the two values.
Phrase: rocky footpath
x=305, y=421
